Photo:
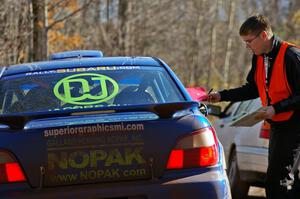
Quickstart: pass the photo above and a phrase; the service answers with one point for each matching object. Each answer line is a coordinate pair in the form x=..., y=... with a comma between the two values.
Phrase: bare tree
x=41, y=26
x=15, y=31
x=212, y=62
x=198, y=39
x=39, y=30
x=229, y=51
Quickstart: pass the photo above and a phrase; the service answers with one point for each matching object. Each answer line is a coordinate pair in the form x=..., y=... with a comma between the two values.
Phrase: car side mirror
x=214, y=110
x=203, y=109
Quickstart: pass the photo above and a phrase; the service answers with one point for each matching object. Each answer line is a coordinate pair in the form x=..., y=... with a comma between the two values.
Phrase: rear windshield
x=82, y=88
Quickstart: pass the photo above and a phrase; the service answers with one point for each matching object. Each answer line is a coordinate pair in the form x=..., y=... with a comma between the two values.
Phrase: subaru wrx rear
x=104, y=127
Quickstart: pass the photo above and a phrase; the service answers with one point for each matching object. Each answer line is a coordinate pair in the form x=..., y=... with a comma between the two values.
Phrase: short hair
x=255, y=25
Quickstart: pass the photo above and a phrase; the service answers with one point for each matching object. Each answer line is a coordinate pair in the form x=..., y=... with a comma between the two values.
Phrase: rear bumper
x=252, y=159
x=209, y=185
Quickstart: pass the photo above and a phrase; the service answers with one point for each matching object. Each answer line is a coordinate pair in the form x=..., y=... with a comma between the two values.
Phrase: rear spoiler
x=165, y=110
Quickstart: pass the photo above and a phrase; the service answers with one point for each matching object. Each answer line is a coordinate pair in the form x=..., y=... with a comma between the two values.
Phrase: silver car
x=246, y=148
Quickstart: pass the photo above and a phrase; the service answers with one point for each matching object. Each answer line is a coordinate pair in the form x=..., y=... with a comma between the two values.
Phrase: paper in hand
x=197, y=93
x=250, y=119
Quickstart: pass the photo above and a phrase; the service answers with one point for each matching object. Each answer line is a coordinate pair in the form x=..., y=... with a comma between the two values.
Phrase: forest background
x=198, y=38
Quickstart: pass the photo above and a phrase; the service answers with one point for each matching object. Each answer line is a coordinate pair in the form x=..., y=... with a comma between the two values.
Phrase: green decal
x=63, y=89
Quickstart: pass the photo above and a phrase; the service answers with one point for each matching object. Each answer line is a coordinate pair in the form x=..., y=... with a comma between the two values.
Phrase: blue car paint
x=76, y=54
x=23, y=140
x=165, y=184
x=79, y=63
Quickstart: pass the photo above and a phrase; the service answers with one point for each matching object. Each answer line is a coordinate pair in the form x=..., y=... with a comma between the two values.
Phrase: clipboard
x=250, y=119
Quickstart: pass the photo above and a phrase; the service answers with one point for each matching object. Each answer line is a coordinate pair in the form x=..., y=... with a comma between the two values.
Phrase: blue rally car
x=86, y=126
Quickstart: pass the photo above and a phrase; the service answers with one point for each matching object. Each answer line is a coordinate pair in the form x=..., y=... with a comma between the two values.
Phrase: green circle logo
x=85, y=89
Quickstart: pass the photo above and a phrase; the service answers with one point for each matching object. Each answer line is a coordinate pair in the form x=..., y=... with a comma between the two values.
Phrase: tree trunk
x=123, y=26
x=229, y=44
x=213, y=49
x=40, y=46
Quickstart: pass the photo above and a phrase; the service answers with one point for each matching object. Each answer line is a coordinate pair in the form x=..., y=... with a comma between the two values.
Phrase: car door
x=225, y=131
x=251, y=135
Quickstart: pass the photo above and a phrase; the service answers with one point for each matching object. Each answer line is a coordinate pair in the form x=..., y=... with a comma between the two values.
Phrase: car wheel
x=239, y=188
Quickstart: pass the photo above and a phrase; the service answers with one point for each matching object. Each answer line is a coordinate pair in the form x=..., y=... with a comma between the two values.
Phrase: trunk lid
x=115, y=147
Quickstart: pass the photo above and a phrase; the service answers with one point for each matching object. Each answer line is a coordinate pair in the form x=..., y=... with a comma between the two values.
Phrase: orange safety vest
x=279, y=87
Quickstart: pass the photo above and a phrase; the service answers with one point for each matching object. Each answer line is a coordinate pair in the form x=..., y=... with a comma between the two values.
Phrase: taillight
x=10, y=170
x=198, y=149
x=265, y=131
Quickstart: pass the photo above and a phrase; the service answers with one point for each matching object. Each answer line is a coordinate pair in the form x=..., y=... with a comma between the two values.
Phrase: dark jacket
x=250, y=91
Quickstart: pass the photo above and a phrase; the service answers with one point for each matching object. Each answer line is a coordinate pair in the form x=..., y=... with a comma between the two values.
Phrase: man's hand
x=270, y=112
x=212, y=97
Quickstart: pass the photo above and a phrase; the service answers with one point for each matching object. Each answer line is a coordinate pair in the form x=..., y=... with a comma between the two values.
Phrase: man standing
x=275, y=78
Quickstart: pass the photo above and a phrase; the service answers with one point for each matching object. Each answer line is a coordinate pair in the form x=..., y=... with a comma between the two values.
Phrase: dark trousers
x=283, y=142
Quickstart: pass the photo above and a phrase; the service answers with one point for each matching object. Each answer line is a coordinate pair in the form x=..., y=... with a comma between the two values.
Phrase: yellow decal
x=63, y=90
x=92, y=158
x=101, y=174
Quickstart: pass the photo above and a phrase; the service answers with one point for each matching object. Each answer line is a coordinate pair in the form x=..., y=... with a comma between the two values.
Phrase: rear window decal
x=76, y=107
x=86, y=89
x=85, y=69
x=40, y=72
x=98, y=68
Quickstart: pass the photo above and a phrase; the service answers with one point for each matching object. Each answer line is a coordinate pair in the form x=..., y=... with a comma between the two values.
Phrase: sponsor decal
x=81, y=154
x=41, y=72
x=99, y=164
x=98, y=68
x=98, y=174
x=93, y=129
x=61, y=143
x=86, y=69
x=63, y=89
x=76, y=107
x=81, y=159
